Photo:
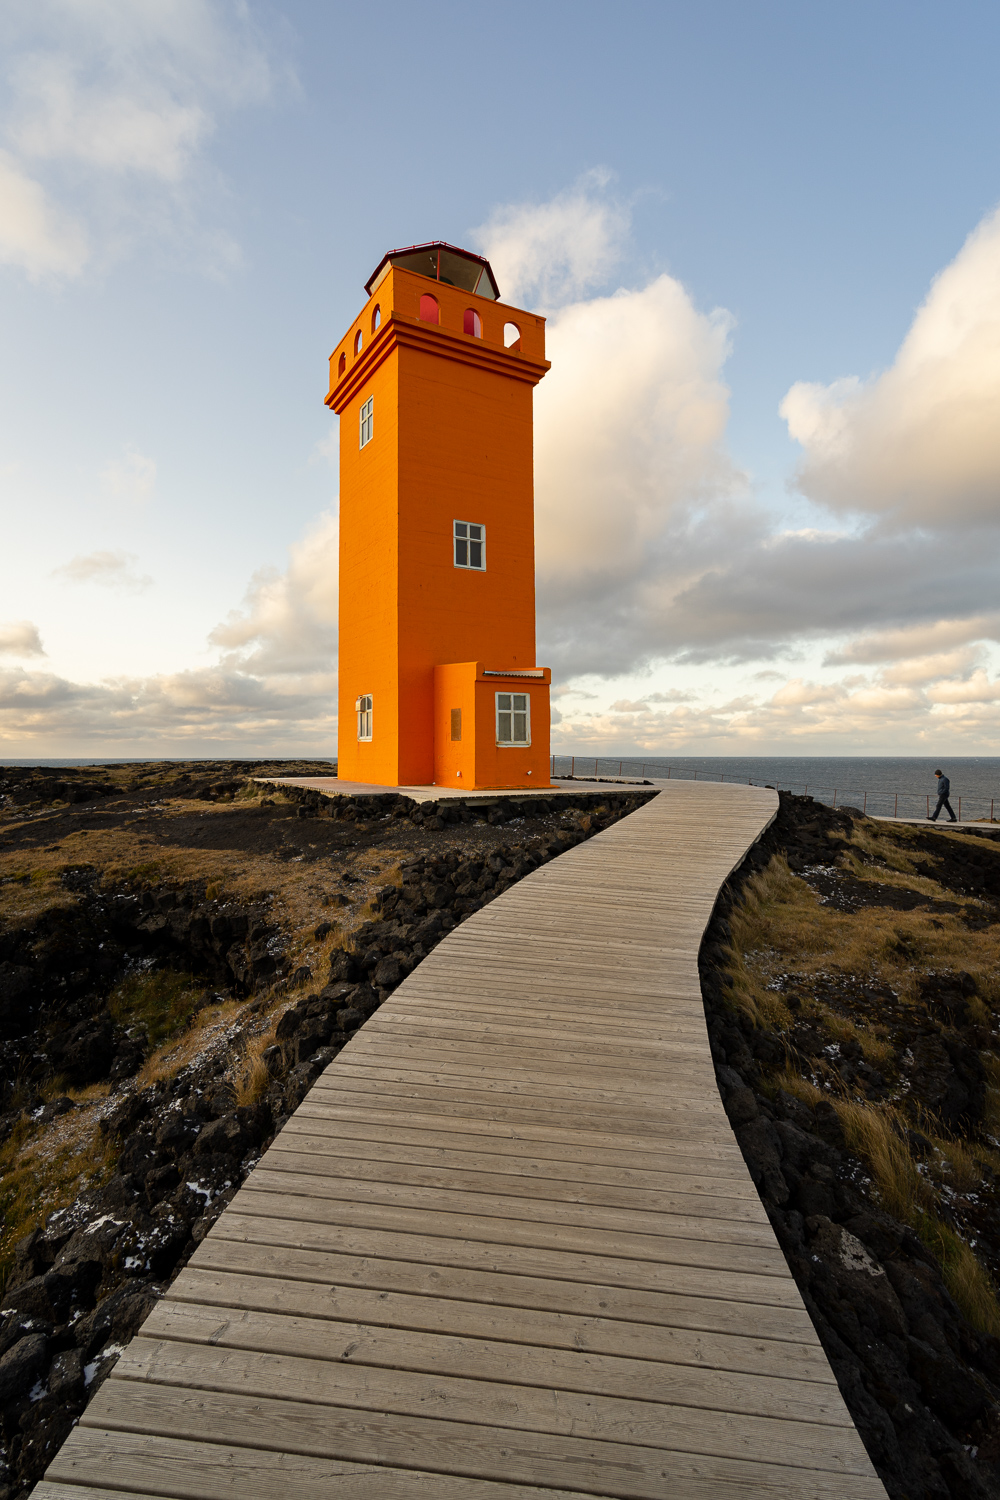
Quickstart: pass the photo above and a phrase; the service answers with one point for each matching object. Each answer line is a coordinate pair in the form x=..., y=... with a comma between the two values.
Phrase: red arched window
x=429, y=311
x=341, y=365
x=376, y=320
x=358, y=341
x=471, y=323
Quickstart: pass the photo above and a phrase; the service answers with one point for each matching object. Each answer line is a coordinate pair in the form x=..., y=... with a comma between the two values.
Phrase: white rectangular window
x=513, y=719
x=470, y=545
x=364, y=711
x=366, y=421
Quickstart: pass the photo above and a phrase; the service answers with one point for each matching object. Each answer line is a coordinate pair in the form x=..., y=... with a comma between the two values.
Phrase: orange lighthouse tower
x=433, y=384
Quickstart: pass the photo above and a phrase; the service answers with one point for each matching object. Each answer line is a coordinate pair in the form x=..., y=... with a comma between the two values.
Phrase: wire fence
x=875, y=803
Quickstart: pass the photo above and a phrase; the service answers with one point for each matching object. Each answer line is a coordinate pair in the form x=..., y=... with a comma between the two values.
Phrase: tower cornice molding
x=402, y=332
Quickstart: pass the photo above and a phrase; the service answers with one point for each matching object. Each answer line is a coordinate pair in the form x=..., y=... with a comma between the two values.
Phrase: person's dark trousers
x=943, y=802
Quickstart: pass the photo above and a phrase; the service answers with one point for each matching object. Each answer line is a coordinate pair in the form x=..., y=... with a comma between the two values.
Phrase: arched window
x=363, y=708
x=376, y=320
x=471, y=323
x=358, y=341
x=429, y=311
x=511, y=336
x=341, y=365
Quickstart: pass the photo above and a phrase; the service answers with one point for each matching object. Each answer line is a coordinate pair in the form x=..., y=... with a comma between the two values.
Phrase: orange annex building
x=433, y=384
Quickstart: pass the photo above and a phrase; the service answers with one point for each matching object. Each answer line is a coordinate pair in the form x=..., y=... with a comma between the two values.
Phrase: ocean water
x=900, y=785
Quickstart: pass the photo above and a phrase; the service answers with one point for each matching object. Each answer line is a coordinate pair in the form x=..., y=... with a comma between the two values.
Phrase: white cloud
x=289, y=621
x=548, y=253
x=273, y=689
x=916, y=640
x=114, y=570
x=66, y=119
x=131, y=478
x=35, y=235
x=110, y=110
x=20, y=638
x=629, y=448
x=920, y=443
x=852, y=716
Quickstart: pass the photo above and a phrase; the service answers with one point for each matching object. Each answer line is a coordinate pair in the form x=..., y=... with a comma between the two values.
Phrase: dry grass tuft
x=45, y=1167
x=251, y=1080
x=878, y=1136
x=875, y=1134
x=207, y=1029
x=965, y=1277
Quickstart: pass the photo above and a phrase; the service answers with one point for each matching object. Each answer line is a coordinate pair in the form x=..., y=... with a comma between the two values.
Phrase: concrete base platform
x=331, y=786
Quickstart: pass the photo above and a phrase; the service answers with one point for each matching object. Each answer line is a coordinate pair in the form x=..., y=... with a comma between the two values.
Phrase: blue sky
x=716, y=206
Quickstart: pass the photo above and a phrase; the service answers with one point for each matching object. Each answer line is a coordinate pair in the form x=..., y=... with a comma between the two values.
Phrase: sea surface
x=901, y=785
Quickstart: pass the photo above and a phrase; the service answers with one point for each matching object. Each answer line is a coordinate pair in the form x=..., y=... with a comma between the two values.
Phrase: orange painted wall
x=452, y=441
x=481, y=761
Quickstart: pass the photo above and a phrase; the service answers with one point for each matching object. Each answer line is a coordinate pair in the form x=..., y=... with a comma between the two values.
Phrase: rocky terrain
x=851, y=976
x=182, y=951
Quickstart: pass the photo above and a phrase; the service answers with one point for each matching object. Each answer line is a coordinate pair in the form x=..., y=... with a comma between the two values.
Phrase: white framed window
x=363, y=705
x=513, y=719
x=366, y=421
x=470, y=545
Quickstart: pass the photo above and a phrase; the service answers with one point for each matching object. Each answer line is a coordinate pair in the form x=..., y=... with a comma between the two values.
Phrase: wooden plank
x=466, y=1448
x=675, y=1309
x=322, y=1187
x=550, y=1189
x=441, y=1314
x=244, y=1220
x=500, y=1404
x=708, y=1246
x=478, y=1357
x=530, y=1088
x=362, y=1137
x=175, y=1467
x=621, y=1133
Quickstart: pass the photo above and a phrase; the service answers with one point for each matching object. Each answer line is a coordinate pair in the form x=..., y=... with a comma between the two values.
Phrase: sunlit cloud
x=113, y=570
x=20, y=638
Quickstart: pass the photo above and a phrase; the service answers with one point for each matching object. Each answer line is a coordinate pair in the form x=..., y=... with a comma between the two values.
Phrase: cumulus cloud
x=545, y=254
x=182, y=712
x=110, y=110
x=272, y=690
x=114, y=570
x=856, y=715
x=629, y=455
x=20, y=638
x=919, y=443
x=288, y=623
x=35, y=235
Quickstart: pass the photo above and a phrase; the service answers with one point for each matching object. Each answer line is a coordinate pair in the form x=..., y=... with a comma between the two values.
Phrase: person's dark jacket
x=944, y=787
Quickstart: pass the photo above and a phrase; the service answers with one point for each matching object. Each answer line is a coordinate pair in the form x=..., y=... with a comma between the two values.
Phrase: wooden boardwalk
x=507, y=1247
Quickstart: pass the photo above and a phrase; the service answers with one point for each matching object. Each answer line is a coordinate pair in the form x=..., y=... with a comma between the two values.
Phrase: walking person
x=943, y=790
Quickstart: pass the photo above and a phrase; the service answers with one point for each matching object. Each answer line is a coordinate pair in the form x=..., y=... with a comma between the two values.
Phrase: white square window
x=364, y=711
x=513, y=719
x=470, y=545
x=366, y=421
